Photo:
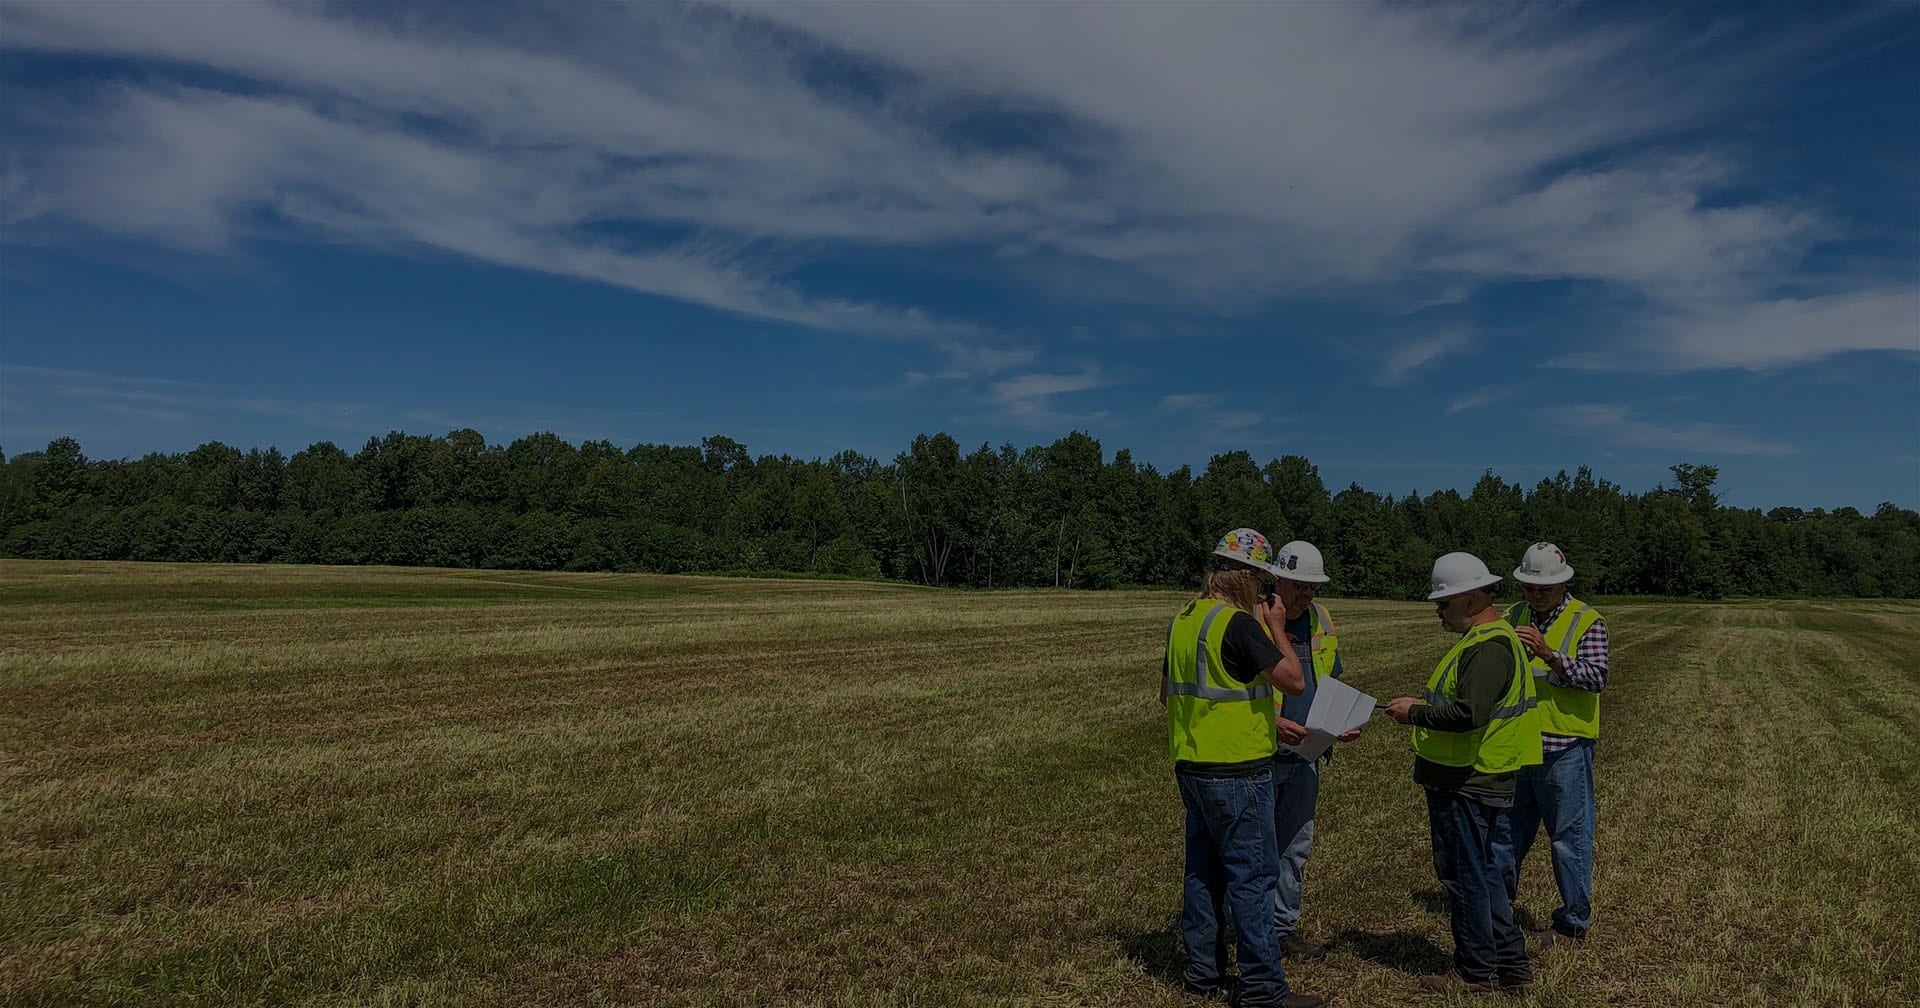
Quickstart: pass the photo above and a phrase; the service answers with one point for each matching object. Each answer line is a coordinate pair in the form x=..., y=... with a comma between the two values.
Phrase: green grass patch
x=363, y=786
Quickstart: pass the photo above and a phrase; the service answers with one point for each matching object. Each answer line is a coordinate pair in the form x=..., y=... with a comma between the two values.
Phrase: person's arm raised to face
x=1286, y=676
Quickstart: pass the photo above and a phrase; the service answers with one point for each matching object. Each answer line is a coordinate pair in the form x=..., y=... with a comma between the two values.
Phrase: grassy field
x=341, y=786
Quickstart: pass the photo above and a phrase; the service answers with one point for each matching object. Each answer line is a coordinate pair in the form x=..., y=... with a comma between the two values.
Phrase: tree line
x=1062, y=515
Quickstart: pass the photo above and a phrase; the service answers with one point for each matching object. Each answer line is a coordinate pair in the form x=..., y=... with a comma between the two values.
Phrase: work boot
x=1510, y=983
x=1218, y=992
x=1296, y=947
x=1453, y=983
x=1293, y=1000
x=1548, y=938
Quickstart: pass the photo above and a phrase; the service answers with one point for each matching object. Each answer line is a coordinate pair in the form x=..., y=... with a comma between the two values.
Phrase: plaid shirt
x=1585, y=669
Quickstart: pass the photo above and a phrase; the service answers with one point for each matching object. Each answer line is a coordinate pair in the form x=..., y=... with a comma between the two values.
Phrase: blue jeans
x=1559, y=794
x=1296, y=788
x=1230, y=872
x=1486, y=941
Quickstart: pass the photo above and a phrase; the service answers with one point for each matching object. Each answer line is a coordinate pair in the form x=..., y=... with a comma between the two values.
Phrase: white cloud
x=195, y=406
x=1770, y=334
x=1617, y=425
x=1399, y=363
x=198, y=400
x=97, y=377
x=206, y=160
x=1029, y=398
x=1643, y=226
x=1203, y=418
x=1294, y=146
x=1039, y=386
x=979, y=360
x=539, y=162
x=145, y=414
x=1233, y=422
x=1211, y=156
x=1477, y=399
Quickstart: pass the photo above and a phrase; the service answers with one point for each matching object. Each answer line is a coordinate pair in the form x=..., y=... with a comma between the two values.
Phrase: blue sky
x=1411, y=243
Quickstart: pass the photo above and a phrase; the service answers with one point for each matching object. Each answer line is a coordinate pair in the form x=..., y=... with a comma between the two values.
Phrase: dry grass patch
x=349, y=786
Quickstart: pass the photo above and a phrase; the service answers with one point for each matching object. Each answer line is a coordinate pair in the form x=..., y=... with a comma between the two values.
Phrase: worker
x=1566, y=643
x=1300, y=570
x=1217, y=680
x=1472, y=732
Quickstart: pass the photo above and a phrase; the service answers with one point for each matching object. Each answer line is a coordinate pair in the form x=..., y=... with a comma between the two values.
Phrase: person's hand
x=1348, y=737
x=1290, y=732
x=1398, y=709
x=1535, y=643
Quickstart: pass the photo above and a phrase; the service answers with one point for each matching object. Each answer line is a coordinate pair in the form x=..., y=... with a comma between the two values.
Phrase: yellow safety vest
x=1211, y=718
x=1511, y=739
x=1325, y=645
x=1563, y=709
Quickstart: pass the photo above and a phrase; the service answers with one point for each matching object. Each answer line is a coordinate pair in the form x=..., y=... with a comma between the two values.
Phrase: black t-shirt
x=1246, y=649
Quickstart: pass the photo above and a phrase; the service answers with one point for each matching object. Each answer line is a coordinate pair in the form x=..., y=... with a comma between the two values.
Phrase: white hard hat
x=1543, y=564
x=1459, y=573
x=1300, y=560
x=1248, y=547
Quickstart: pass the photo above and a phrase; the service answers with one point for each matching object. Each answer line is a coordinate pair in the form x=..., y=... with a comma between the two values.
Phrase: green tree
x=60, y=481
x=213, y=477
x=541, y=473
x=1360, y=553
x=926, y=477
x=319, y=481
x=261, y=475
x=1069, y=468
x=1231, y=494
x=1302, y=497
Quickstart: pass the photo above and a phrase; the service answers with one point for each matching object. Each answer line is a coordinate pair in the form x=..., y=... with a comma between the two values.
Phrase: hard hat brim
x=1488, y=581
x=1294, y=575
x=1240, y=561
x=1520, y=575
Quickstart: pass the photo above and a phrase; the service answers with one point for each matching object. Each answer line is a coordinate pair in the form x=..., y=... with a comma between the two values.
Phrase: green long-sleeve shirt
x=1486, y=671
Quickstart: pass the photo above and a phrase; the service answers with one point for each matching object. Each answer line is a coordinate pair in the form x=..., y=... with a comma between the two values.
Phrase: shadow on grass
x=1400, y=950
x=1435, y=901
x=1527, y=921
x=1158, y=953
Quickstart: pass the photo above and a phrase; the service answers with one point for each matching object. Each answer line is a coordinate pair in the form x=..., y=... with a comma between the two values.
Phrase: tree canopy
x=1059, y=515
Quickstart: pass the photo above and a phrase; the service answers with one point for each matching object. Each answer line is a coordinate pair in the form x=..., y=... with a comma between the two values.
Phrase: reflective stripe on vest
x=1511, y=737
x=1201, y=687
x=1325, y=645
x=1564, y=710
x=1210, y=717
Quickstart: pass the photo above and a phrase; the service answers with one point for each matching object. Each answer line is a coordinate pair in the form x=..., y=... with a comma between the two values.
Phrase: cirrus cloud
x=1209, y=157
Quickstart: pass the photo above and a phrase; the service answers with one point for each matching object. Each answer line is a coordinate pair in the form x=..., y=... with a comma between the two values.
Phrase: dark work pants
x=1486, y=941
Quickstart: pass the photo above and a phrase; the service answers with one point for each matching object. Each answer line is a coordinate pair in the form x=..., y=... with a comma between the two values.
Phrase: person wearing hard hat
x=1473, y=731
x=1217, y=680
x=1300, y=572
x=1566, y=642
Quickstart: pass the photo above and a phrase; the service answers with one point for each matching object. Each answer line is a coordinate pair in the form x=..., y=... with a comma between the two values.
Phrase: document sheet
x=1337, y=709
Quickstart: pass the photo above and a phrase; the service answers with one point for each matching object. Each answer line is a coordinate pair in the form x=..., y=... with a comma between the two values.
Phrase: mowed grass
x=350, y=786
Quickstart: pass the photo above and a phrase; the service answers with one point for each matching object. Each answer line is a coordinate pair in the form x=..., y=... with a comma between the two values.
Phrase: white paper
x=1337, y=709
